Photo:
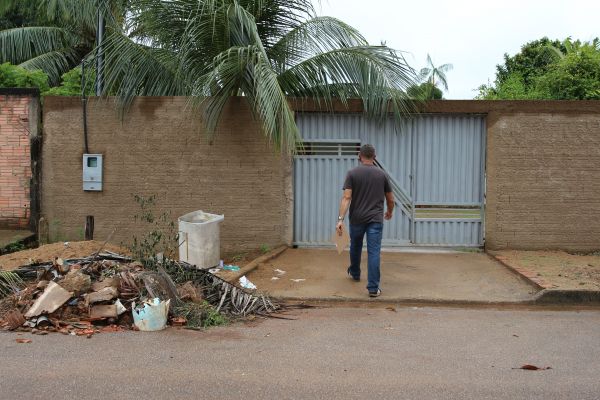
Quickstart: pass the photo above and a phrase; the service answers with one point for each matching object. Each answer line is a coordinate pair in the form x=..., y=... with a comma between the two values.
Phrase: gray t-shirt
x=369, y=185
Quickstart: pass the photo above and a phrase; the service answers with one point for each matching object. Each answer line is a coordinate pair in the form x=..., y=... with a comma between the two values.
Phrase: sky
x=469, y=34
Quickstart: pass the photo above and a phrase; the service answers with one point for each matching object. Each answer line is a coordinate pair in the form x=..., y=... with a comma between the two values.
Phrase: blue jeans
x=374, y=233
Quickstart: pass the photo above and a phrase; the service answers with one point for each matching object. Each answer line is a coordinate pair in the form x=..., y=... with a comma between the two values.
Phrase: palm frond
x=9, y=283
x=248, y=69
x=315, y=36
x=372, y=73
x=135, y=70
x=76, y=12
x=53, y=63
x=18, y=45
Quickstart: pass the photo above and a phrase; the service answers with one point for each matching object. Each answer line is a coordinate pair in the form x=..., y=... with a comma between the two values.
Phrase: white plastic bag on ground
x=246, y=284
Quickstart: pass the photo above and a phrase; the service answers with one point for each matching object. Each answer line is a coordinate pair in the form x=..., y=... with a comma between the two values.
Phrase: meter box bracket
x=92, y=172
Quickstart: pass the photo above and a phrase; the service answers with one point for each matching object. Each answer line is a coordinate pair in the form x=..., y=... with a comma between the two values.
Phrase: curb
x=252, y=265
x=539, y=302
x=406, y=302
x=559, y=296
x=524, y=275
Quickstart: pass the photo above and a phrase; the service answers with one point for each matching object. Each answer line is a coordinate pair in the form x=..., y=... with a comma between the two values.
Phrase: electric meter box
x=92, y=172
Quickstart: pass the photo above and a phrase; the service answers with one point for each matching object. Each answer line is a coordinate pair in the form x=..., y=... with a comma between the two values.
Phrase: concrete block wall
x=159, y=148
x=543, y=180
x=543, y=161
x=15, y=159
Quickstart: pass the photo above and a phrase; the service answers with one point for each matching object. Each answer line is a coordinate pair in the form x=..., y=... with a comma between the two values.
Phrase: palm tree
x=264, y=50
x=433, y=75
x=210, y=50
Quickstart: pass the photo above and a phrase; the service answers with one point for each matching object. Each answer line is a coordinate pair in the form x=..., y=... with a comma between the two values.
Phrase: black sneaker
x=375, y=294
x=355, y=279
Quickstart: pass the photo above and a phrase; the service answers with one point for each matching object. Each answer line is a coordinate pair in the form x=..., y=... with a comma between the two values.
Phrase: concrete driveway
x=451, y=277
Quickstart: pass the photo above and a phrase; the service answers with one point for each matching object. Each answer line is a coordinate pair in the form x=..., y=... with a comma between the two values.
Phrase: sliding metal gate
x=436, y=164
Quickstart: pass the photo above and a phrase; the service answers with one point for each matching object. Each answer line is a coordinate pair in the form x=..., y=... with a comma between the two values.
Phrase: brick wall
x=159, y=148
x=543, y=179
x=15, y=159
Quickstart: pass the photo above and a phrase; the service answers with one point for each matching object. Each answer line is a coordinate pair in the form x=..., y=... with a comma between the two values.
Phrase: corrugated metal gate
x=436, y=163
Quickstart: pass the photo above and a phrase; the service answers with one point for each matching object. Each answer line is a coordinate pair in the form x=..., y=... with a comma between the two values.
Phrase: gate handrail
x=401, y=198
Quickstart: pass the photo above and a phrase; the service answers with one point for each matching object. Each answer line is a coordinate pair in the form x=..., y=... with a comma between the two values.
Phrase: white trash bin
x=199, y=238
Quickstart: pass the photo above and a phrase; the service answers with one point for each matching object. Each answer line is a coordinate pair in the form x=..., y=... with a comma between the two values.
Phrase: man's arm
x=389, y=199
x=344, y=204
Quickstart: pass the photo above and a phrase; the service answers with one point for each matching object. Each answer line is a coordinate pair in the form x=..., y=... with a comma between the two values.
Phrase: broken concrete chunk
x=76, y=281
x=107, y=282
x=53, y=297
x=108, y=293
x=104, y=311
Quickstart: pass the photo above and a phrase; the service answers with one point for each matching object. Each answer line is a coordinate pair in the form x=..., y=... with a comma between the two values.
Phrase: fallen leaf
x=23, y=340
x=530, y=367
x=391, y=309
x=111, y=328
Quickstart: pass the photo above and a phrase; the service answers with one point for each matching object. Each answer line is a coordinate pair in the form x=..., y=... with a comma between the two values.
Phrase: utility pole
x=100, y=54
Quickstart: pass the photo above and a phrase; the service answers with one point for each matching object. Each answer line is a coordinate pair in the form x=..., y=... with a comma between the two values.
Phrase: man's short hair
x=367, y=151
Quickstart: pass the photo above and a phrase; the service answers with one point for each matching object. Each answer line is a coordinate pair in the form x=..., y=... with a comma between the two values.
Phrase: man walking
x=364, y=190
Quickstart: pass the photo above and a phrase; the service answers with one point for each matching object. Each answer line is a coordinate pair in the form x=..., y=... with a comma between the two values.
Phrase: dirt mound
x=50, y=251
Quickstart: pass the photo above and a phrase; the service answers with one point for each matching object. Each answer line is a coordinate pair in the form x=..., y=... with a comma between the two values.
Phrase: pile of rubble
x=107, y=291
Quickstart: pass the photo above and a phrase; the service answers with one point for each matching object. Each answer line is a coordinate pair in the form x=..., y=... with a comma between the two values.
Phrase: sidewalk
x=448, y=278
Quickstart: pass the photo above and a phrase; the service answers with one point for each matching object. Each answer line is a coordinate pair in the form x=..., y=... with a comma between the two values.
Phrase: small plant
x=55, y=231
x=13, y=247
x=81, y=233
x=264, y=248
x=162, y=236
x=199, y=315
x=213, y=318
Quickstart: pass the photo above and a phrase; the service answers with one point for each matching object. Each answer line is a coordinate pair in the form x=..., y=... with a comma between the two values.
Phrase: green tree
x=576, y=76
x=264, y=50
x=545, y=69
x=433, y=77
x=425, y=91
x=534, y=59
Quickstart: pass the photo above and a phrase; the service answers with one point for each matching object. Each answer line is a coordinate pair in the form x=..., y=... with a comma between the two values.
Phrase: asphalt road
x=413, y=353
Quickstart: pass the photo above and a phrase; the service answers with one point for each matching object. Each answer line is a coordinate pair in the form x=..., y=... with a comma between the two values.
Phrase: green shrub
x=13, y=76
x=71, y=84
